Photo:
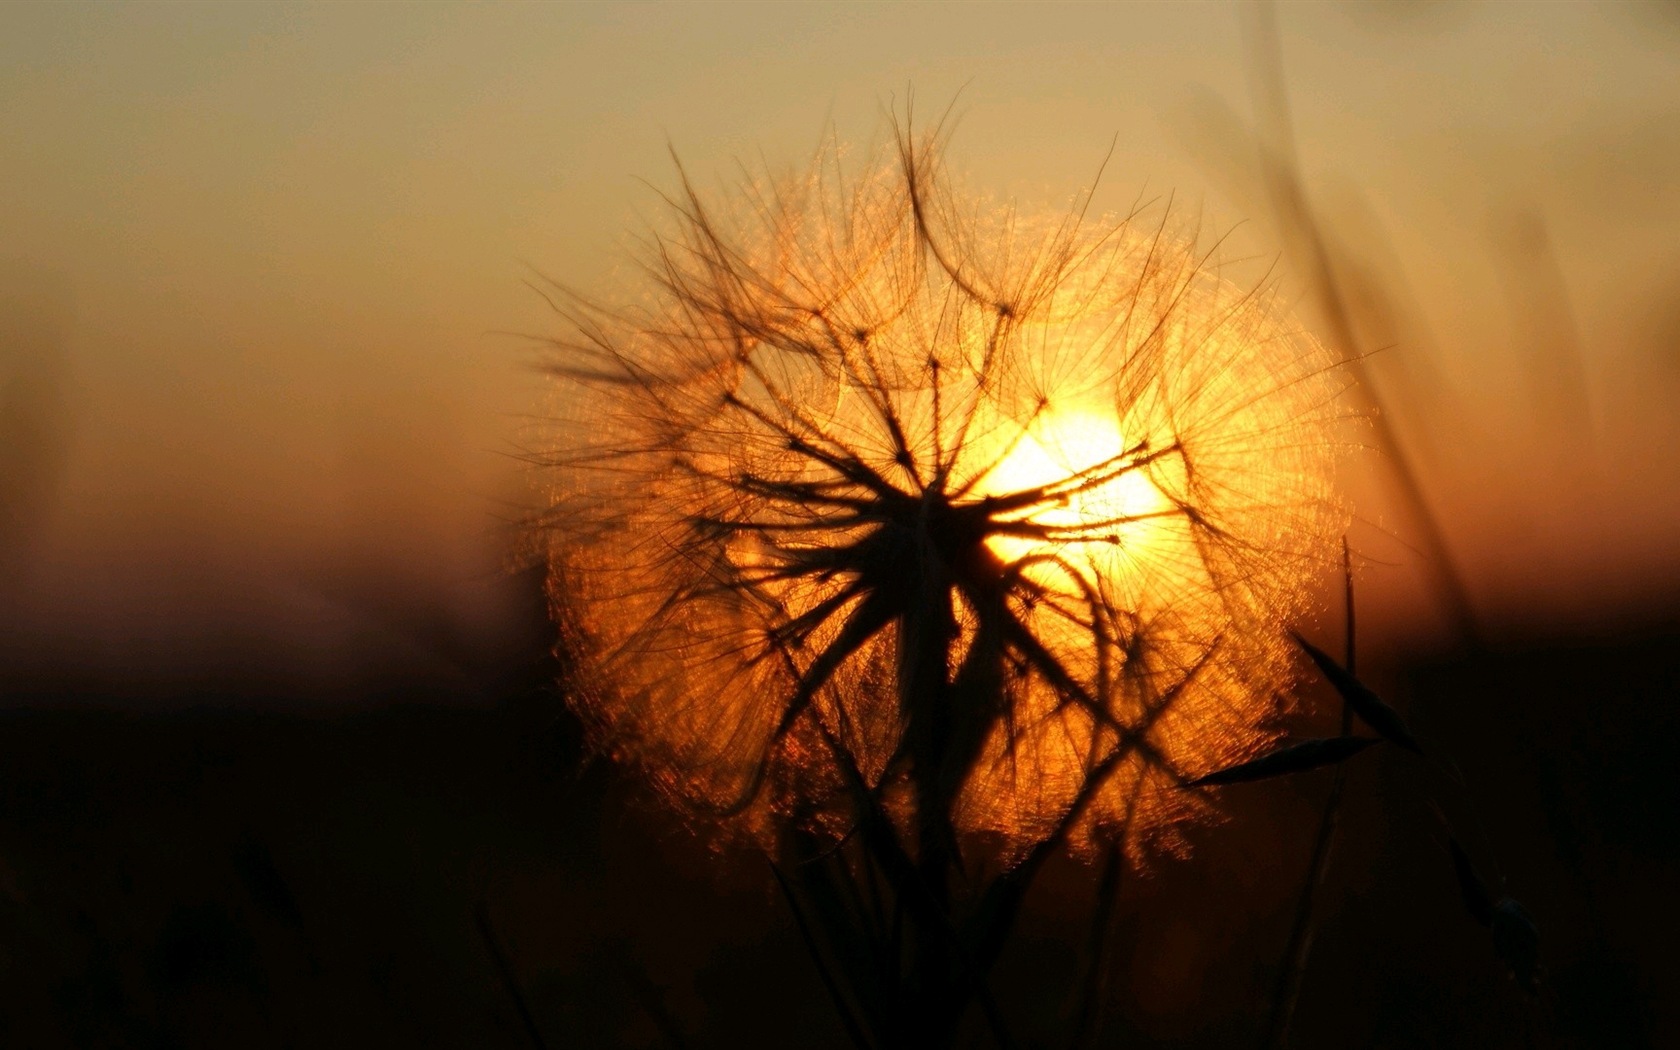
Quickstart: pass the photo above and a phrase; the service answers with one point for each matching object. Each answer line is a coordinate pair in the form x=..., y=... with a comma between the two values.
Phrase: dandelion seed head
x=850, y=397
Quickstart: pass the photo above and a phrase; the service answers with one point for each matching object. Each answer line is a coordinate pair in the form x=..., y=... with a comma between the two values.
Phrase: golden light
x=1123, y=517
x=1002, y=517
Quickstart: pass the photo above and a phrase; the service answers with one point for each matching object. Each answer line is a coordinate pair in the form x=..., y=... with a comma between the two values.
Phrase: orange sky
x=253, y=260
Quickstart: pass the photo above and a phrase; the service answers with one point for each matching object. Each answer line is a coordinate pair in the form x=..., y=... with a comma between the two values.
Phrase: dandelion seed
x=878, y=475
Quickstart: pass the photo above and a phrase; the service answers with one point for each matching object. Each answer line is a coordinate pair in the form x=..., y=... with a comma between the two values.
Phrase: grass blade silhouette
x=1295, y=758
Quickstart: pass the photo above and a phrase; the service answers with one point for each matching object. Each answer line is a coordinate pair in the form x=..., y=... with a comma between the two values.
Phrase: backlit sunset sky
x=261, y=270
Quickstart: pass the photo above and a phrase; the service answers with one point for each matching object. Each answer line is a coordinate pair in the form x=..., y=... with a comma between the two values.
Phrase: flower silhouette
x=886, y=498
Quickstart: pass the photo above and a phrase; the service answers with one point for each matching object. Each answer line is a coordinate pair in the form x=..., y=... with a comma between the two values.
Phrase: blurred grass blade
x=1366, y=704
x=1295, y=758
x=1089, y=1002
x=1275, y=137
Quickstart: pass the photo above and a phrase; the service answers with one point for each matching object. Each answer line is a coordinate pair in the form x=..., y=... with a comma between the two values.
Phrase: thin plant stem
x=853, y=1028
x=1089, y=1010
x=1301, y=932
x=504, y=970
x=648, y=997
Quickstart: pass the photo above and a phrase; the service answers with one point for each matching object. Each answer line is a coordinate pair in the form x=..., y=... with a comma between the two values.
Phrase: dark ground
x=215, y=879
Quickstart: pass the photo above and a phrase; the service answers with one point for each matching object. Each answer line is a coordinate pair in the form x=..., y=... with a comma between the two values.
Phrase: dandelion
x=1006, y=515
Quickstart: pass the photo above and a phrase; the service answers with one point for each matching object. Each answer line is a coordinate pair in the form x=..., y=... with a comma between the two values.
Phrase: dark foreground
x=458, y=877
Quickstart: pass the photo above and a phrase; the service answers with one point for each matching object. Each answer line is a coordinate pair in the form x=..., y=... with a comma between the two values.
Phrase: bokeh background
x=281, y=762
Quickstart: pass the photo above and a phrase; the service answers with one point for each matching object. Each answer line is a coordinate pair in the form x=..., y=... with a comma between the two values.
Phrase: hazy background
x=264, y=349
x=254, y=260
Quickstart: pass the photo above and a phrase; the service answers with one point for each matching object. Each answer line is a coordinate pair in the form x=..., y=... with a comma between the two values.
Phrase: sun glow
x=1002, y=519
x=1110, y=524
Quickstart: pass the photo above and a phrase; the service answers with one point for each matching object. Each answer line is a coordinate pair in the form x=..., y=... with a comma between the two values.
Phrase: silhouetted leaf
x=1295, y=758
x=1366, y=704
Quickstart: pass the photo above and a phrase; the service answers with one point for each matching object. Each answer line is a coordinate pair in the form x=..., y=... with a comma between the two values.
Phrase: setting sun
x=1110, y=524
